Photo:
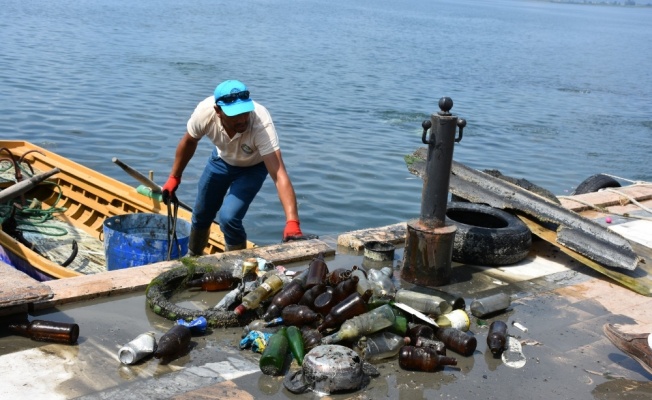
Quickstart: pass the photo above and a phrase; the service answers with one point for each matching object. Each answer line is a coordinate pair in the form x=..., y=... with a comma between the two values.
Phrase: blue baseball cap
x=233, y=97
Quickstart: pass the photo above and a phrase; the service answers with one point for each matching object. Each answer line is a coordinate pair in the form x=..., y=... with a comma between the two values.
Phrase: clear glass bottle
x=489, y=305
x=381, y=345
x=363, y=324
x=364, y=286
x=265, y=290
x=426, y=303
x=381, y=282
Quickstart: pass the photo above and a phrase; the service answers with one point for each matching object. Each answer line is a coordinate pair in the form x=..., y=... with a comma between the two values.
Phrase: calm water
x=553, y=93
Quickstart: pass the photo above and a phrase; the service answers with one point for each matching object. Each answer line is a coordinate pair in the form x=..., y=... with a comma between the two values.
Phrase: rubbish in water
x=142, y=346
x=381, y=282
x=330, y=369
x=381, y=345
x=457, y=319
x=297, y=315
x=363, y=324
x=513, y=355
x=348, y=308
x=497, y=337
x=197, y=326
x=46, y=331
x=265, y=290
x=317, y=272
x=414, y=312
x=423, y=359
x=214, y=281
x=457, y=340
x=438, y=346
x=519, y=326
x=272, y=362
x=228, y=299
x=311, y=337
x=379, y=251
x=173, y=342
x=364, y=286
x=419, y=330
x=490, y=305
x=295, y=341
x=290, y=294
x=426, y=303
x=257, y=340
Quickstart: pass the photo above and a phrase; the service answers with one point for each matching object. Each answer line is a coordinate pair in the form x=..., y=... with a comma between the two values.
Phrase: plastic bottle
x=137, y=349
x=46, y=331
x=381, y=345
x=266, y=289
x=422, y=359
x=457, y=340
x=497, y=337
x=295, y=342
x=297, y=315
x=457, y=319
x=290, y=294
x=381, y=282
x=426, y=303
x=273, y=359
x=364, y=324
x=348, y=308
x=317, y=271
x=438, y=346
x=489, y=305
x=228, y=299
x=214, y=281
x=364, y=286
x=419, y=330
x=173, y=342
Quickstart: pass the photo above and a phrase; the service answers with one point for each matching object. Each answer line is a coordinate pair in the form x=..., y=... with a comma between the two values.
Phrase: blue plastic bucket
x=142, y=238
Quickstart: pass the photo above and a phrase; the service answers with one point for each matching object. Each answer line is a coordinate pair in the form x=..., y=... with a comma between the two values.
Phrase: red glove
x=170, y=188
x=291, y=230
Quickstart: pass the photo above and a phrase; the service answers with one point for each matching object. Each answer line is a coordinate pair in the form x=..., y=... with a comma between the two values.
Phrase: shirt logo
x=246, y=149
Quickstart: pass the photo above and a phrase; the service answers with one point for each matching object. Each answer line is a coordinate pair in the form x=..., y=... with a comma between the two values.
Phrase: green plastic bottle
x=295, y=340
x=273, y=359
x=363, y=324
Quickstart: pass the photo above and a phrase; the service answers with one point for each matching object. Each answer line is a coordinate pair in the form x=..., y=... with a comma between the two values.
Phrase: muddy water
x=566, y=355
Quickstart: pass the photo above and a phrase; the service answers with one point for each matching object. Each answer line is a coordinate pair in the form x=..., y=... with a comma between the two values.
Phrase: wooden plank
x=134, y=279
x=356, y=239
x=17, y=288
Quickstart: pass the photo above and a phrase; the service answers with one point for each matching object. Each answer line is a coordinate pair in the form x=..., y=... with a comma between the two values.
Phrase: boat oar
x=145, y=180
x=23, y=187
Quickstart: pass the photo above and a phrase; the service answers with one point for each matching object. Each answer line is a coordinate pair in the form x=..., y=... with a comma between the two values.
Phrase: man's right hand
x=170, y=187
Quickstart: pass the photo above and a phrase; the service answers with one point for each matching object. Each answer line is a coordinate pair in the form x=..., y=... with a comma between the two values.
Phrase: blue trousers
x=229, y=190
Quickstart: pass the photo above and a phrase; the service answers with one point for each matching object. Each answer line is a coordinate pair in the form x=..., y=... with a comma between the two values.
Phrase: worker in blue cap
x=246, y=151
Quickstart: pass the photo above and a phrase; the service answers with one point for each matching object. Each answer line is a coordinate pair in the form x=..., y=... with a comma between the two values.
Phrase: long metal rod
x=145, y=180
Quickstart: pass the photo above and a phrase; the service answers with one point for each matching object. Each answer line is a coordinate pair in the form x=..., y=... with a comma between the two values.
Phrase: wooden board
x=16, y=288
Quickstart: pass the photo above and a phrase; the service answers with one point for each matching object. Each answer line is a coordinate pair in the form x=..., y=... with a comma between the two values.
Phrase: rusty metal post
x=427, y=257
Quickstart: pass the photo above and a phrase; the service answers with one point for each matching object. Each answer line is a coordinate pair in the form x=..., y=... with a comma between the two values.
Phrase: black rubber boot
x=197, y=241
x=239, y=246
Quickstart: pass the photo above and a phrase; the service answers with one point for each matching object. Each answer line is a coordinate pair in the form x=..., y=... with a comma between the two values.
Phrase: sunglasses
x=233, y=97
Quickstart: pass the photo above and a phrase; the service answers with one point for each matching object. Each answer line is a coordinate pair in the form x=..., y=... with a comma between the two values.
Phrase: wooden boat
x=85, y=198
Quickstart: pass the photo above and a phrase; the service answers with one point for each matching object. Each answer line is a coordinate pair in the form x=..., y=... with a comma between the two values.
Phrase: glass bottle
x=337, y=276
x=317, y=271
x=497, y=337
x=381, y=345
x=214, y=281
x=265, y=290
x=364, y=286
x=438, y=346
x=290, y=294
x=259, y=325
x=139, y=348
x=311, y=337
x=400, y=325
x=348, y=308
x=295, y=342
x=228, y=299
x=457, y=319
x=344, y=289
x=46, y=331
x=324, y=302
x=308, y=298
x=363, y=324
x=273, y=359
x=422, y=359
x=173, y=342
x=297, y=315
x=420, y=330
x=491, y=304
x=381, y=282
x=426, y=303
x=456, y=301
x=457, y=340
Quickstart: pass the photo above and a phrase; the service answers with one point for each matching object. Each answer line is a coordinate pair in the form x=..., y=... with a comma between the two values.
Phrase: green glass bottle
x=273, y=359
x=295, y=341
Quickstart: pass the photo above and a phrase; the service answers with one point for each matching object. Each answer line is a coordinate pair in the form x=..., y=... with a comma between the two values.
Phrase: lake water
x=551, y=92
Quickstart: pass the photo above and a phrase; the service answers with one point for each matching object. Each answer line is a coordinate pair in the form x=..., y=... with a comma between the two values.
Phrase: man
x=246, y=150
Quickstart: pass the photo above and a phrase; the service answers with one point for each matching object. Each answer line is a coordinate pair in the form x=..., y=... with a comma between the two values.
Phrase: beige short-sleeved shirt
x=246, y=148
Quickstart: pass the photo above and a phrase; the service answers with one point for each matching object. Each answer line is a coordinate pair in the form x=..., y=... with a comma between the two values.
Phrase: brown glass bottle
x=348, y=308
x=337, y=276
x=311, y=337
x=290, y=294
x=419, y=330
x=324, y=302
x=214, y=281
x=344, y=289
x=439, y=347
x=173, y=342
x=309, y=296
x=46, y=331
x=296, y=315
x=457, y=340
x=497, y=337
x=317, y=271
x=422, y=359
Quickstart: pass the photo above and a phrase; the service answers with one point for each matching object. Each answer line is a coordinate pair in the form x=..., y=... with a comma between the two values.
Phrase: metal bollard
x=427, y=257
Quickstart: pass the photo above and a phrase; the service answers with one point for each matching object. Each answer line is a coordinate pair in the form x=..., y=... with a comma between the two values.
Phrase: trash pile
x=335, y=324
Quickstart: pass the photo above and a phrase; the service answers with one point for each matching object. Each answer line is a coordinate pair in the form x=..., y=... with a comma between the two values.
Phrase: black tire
x=487, y=236
x=594, y=183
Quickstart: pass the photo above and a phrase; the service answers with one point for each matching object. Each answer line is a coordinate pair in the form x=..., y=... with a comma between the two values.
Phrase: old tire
x=486, y=235
x=594, y=183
